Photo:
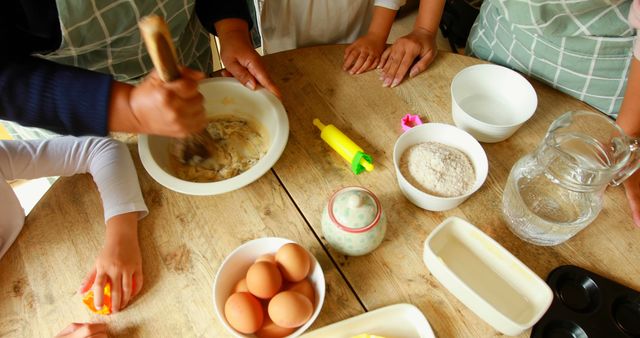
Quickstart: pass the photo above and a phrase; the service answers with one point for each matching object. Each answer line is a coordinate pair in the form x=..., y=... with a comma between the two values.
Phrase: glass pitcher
x=557, y=190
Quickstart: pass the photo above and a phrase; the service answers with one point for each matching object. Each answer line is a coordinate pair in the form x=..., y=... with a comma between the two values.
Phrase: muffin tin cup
x=586, y=304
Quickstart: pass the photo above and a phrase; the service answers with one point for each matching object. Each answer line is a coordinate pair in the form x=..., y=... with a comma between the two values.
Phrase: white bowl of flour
x=438, y=166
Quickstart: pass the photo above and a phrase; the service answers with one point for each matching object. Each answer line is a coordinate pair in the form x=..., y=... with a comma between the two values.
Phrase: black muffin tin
x=587, y=305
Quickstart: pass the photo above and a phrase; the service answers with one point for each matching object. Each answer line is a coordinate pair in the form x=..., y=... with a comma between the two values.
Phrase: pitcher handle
x=632, y=165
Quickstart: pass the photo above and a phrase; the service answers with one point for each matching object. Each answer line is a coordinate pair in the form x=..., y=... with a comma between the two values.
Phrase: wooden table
x=185, y=238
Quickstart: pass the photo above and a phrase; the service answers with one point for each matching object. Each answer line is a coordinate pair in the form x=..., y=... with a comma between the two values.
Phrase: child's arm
x=629, y=121
x=111, y=166
x=119, y=261
x=420, y=43
x=363, y=54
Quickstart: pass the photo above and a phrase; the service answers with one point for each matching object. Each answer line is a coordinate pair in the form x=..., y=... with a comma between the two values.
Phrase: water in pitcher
x=545, y=204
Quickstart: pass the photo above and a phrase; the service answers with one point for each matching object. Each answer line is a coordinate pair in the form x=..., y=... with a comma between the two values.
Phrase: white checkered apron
x=103, y=36
x=582, y=48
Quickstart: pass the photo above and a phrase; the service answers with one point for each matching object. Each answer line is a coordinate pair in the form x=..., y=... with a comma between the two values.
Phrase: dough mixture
x=232, y=146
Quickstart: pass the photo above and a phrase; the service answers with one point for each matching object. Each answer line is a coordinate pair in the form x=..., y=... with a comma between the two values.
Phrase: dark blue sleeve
x=211, y=11
x=67, y=100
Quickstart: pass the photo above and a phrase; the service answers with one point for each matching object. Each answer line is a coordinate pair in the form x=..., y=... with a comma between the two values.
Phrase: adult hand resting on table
x=420, y=44
x=240, y=58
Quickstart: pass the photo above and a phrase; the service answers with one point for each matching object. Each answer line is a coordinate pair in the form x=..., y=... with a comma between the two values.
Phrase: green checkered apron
x=103, y=36
x=582, y=48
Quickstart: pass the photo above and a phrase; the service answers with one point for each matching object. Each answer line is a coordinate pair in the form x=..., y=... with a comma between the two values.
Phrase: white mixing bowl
x=491, y=102
x=223, y=96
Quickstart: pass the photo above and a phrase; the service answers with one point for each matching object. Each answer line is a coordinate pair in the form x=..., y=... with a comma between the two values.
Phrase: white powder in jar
x=437, y=169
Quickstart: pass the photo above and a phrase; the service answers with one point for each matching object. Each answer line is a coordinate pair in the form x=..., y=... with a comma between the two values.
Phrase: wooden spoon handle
x=156, y=36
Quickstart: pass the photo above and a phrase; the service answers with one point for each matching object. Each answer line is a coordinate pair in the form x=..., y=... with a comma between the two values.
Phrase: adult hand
x=363, y=54
x=119, y=262
x=172, y=109
x=397, y=59
x=240, y=58
x=84, y=330
x=629, y=120
x=632, y=190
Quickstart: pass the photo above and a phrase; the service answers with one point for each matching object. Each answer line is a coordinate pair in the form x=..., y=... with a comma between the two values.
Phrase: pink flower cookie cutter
x=409, y=121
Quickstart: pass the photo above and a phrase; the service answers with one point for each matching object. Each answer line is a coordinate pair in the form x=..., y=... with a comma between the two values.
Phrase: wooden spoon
x=154, y=31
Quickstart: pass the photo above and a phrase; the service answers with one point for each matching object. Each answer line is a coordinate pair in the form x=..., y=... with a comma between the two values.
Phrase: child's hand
x=397, y=59
x=172, y=109
x=119, y=262
x=363, y=54
x=83, y=330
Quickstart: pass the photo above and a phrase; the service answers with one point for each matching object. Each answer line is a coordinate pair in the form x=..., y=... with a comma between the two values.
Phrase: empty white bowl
x=223, y=96
x=491, y=102
x=235, y=267
x=448, y=135
x=486, y=277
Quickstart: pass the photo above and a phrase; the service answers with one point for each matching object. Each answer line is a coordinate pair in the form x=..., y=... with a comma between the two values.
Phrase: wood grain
x=185, y=238
x=183, y=242
x=315, y=86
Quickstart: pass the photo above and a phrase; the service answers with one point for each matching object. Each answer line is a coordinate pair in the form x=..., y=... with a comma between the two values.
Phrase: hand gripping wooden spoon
x=196, y=147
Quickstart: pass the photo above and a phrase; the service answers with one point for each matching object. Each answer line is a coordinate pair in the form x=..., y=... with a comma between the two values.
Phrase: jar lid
x=355, y=208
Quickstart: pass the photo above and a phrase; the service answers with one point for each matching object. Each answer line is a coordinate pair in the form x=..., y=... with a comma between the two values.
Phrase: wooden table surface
x=185, y=238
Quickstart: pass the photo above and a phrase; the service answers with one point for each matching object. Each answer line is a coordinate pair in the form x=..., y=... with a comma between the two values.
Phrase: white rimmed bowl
x=223, y=96
x=448, y=135
x=235, y=267
x=491, y=102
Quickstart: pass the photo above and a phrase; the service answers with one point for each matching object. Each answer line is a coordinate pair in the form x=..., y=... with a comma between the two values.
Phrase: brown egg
x=241, y=286
x=270, y=330
x=294, y=262
x=305, y=288
x=244, y=312
x=290, y=309
x=264, y=279
x=271, y=258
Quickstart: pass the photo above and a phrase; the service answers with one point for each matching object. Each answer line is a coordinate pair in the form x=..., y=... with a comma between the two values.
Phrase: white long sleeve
x=107, y=160
x=390, y=4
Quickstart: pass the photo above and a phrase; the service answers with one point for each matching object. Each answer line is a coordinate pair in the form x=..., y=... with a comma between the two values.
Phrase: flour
x=437, y=169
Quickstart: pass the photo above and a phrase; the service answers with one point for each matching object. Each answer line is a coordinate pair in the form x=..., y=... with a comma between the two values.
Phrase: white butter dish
x=486, y=277
x=397, y=321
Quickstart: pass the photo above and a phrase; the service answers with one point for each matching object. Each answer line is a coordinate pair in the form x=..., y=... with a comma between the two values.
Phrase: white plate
x=393, y=321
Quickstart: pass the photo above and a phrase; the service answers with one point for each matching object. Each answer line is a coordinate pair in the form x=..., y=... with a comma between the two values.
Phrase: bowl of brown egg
x=246, y=134
x=438, y=166
x=268, y=288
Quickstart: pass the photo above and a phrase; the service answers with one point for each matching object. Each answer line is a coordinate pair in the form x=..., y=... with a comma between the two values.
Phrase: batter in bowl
x=235, y=146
